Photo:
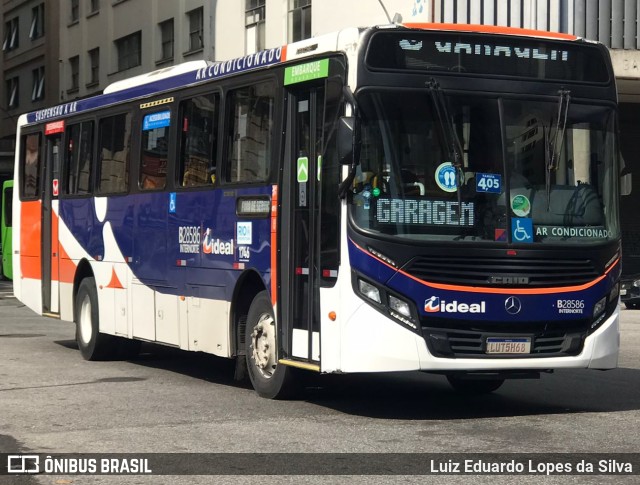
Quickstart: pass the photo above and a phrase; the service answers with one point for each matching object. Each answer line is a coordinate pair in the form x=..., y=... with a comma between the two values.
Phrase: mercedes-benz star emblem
x=512, y=305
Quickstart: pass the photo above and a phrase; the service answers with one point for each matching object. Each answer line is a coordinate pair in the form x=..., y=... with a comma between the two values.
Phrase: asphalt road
x=169, y=401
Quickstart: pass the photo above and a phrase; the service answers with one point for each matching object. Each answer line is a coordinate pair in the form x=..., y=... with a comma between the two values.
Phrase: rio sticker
x=244, y=233
x=446, y=177
x=520, y=205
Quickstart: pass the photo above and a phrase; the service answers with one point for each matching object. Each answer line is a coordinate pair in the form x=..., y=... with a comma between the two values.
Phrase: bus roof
x=492, y=29
x=157, y=75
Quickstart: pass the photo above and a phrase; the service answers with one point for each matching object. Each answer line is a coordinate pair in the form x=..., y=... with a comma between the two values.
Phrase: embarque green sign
x=306, y=72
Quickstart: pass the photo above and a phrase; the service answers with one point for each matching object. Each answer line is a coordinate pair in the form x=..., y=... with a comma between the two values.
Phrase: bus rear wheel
x=269, y=378
x=93, y=345
x=474, y=386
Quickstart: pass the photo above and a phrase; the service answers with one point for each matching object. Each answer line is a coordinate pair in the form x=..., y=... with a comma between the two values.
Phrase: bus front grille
x=511, y=272
x=470, y=341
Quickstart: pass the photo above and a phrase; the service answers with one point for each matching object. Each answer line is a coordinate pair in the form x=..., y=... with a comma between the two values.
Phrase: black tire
x=93, y=345
x=474, y=386
x=269, y=379
x=630, y=305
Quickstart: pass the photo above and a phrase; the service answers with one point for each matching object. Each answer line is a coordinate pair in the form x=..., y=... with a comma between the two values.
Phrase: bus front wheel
x=270, y=379
x=93, y=345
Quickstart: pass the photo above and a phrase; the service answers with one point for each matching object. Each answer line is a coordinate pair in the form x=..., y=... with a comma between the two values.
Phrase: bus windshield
x=523, y=171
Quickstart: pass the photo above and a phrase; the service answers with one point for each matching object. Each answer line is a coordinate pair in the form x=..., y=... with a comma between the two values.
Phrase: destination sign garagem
x=466, y=53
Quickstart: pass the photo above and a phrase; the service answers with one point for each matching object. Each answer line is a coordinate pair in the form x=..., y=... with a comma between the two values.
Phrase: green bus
x=5, y=229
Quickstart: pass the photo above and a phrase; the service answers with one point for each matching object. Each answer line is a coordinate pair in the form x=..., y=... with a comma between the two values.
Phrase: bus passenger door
x=50, y=252
x=300, y=226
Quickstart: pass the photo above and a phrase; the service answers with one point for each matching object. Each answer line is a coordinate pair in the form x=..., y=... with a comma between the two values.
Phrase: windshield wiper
x=555, y=142
x=451, y=140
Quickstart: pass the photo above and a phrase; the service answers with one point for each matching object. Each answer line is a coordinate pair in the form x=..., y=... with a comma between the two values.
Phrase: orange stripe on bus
x=55, y=246
x=31, y=240
x=499, y=291
x=67, y=267
x=274, y=244
x=115, y=281
x=491, y=29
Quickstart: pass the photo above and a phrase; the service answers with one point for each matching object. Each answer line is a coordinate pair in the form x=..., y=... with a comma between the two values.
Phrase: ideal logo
x=432, y=305
x=216, y=246
x=435, y=305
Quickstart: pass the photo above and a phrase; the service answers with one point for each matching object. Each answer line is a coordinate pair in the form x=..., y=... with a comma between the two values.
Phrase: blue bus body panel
x=487, y=304
x=174, y=242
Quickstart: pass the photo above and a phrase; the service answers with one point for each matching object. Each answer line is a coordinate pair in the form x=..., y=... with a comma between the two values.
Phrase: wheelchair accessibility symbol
x=521, y=230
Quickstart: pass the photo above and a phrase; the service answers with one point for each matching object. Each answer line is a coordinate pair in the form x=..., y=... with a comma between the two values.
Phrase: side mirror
x=346, y=129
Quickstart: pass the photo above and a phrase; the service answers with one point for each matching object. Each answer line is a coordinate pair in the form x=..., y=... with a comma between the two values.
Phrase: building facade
x=103, y=41
x=30, y=33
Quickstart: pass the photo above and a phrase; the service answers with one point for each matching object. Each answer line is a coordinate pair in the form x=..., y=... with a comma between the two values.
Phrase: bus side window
x=31, y=166
x=155, y=150
x=114, y=134
x=198, y=140
x=250, y=122
x=77, y=160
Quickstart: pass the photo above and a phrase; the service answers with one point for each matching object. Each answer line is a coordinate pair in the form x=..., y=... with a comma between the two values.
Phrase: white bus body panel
x=373, y=343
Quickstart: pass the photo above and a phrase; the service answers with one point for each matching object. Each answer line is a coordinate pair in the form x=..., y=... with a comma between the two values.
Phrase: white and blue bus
x=430, y=197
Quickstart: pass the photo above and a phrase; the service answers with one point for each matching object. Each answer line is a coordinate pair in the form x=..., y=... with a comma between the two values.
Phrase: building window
x=166, y=39
x=94, y=66
x=13, y=92
x=195, y=30
x=74, y=66
x=75, y=11
x=129, y=51
x=254, y=21
x=94, y=6
x=37, y=91
x=299, y=20
x=11, y=35
x=37, y=22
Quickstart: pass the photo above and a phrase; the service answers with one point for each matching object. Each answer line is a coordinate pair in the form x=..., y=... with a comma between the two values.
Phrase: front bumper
x=374, y=343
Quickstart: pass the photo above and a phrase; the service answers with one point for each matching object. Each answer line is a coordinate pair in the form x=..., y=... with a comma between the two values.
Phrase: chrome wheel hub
x=263, y=345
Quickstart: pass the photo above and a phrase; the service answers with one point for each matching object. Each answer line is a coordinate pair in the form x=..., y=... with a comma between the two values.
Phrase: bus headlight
x=599, y=307
x=615, y=292
x=399, y=306
x=370, y=291
x=401, y=311
x=379, y=297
